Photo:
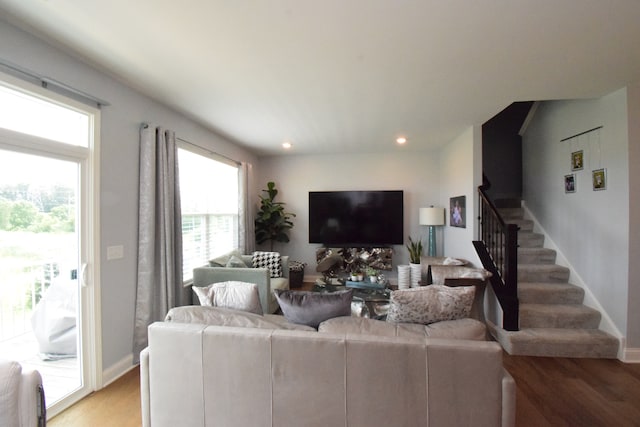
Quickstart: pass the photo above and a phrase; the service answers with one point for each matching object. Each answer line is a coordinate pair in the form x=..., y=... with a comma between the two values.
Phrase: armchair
x=204, y=276
x=21, y=396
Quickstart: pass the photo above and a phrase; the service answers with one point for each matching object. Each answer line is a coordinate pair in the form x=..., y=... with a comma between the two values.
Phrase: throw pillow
x=233, y=295
x=238, y=296
x=235, y=262
x=430, y=304
x=312, y=308
x=204, y=294
x=270, y=260
x=222, y=260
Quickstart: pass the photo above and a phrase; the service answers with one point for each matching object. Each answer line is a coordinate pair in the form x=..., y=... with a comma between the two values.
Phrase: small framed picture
x=577, y=160
x=599, y=179
x=570, y=183
x=457, y=211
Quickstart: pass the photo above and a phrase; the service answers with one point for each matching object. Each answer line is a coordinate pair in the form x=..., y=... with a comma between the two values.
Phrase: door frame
x=90, y=312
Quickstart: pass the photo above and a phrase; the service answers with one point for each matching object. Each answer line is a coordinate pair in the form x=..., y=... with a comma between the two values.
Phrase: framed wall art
x=458, y=211
x=570, y=183
x=599, y=179
x=577, y=160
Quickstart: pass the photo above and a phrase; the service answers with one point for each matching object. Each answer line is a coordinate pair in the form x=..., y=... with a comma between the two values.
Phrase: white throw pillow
x=237, y=295
x=234, y=295
x=204, y=294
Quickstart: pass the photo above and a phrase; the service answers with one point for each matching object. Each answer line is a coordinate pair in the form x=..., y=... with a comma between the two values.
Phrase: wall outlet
x=115, y=252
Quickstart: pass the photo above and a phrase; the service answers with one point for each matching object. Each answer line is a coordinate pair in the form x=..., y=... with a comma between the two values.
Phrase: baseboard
x=117, y=370
x=631, y=355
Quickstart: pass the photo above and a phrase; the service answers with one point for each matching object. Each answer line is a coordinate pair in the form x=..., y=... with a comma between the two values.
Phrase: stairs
x=553, y=320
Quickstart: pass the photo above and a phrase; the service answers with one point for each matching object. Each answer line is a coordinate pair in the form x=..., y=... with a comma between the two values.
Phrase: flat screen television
x=356, y=218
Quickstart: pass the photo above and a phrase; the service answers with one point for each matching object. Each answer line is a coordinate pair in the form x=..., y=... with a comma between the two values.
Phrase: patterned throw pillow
x=430, y=304
x=270, y=260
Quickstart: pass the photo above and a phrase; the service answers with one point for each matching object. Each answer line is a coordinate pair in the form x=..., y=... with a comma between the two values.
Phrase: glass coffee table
x=371, y=303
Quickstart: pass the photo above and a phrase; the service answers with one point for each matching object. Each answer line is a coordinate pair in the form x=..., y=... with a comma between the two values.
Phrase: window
x=209, y=203
x=28, y=114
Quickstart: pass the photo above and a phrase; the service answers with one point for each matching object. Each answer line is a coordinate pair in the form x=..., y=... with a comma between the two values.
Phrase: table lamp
x=432, y=217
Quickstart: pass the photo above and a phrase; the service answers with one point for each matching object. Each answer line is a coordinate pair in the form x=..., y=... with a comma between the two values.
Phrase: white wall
x=461, y=175
x=119, y=171
x=591, y=228
x=633, y=302
x=416, y=173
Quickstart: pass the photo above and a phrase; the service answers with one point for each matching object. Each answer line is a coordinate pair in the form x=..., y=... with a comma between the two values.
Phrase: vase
x=416, y=274
x=404, y=277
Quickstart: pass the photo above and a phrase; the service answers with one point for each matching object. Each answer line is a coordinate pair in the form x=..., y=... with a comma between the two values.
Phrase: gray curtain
x=159, y=285
x=246, y=227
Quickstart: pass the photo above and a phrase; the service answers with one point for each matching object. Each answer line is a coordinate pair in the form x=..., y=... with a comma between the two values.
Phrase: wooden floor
x=118, y=404
x=550, y=392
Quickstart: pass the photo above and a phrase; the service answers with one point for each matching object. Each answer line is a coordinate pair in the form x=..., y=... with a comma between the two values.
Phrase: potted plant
x=372, y=273
x=272, y=222
x=415, y=252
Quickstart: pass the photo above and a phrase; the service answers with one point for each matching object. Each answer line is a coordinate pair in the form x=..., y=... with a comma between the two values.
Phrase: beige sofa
x=270, y=373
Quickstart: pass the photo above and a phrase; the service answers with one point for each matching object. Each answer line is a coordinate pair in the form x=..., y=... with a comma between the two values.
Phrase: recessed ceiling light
x=401, y=140
x=286, y=145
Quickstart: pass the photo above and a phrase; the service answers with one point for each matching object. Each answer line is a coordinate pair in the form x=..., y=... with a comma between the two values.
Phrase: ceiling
x=347, y=75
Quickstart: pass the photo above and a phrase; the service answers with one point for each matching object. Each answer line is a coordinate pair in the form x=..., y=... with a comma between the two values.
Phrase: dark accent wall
x=502, y=151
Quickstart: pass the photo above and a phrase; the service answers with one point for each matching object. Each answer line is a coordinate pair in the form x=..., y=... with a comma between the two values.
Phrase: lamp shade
x=431, y=216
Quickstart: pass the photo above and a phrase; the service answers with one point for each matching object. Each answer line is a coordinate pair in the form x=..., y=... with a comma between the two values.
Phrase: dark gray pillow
x=312, y=308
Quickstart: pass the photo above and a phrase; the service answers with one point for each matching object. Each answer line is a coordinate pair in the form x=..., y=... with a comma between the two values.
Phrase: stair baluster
x=498, y=252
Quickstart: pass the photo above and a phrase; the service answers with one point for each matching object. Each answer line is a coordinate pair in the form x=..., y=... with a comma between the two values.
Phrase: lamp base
x=432, y=241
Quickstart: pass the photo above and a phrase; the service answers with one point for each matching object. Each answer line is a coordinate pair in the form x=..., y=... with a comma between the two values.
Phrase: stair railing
x=498, y=252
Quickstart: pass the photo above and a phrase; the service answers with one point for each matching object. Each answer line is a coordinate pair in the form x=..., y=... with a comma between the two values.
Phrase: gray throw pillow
x=236, y=262
x=312, y=308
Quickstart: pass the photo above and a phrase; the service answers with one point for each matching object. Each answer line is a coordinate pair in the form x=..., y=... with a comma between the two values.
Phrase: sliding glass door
x=47, y=234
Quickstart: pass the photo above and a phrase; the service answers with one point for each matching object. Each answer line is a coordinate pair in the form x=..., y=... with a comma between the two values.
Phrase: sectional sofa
x=210, y=366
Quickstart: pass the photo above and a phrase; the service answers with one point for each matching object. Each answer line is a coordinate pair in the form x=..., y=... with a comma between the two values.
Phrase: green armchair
x=204, y=276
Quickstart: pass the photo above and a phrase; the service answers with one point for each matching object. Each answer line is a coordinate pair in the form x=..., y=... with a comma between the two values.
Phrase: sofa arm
x=145, y=391
x=508, y=400
x=204, y=276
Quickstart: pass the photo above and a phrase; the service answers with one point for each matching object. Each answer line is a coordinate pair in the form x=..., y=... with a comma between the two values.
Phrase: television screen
x=356, y=218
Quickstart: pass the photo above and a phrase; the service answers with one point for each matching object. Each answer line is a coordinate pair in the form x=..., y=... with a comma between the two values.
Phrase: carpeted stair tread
x=536, y=256
x=524, y=225
x=562, y=316
x=527, y=239
x=553, y=342
x=549, y=293
x=508, y=214
x=542, y=273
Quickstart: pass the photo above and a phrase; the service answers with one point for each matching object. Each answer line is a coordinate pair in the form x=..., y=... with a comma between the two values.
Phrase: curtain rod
x=581, y=133
x=51, y=84
x=235, y=162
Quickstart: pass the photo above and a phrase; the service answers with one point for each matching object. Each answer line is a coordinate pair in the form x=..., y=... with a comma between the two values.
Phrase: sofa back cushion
x=462, y=329
x=227, y=317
